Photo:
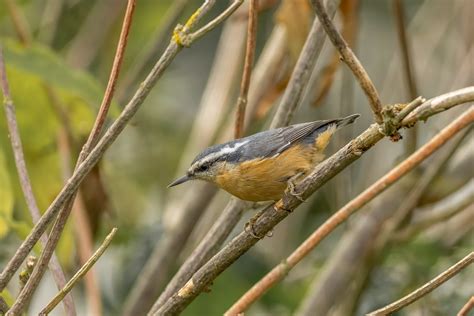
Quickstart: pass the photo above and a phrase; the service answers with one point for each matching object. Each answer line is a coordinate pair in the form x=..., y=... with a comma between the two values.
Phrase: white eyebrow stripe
x=224, y=150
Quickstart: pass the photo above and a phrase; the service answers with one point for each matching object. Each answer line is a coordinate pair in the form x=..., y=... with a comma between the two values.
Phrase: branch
x=411, y=142
x=232, y=213
x=340, y=216
x=425, y=289
x=25, y=182
x=300, y=76
x=276, y=213
x=20, y=24
x=79, y=274
x=154, y=47
x=181, y=214
x=249, y=57
x=33, y=282
x=207, y=247
x=434, y=213
x=467, y=307
x=351, y=60
x=82, y=228
x=109, y=137
x=181, y=35
x=84, y=48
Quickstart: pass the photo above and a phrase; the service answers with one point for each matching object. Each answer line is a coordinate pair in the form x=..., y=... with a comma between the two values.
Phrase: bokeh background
x=58, y=55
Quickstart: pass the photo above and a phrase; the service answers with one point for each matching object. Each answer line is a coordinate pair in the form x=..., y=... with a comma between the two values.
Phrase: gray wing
x=274, y=142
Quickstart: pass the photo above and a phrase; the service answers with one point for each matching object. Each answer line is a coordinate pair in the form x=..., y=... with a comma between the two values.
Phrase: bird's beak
x=179, y=181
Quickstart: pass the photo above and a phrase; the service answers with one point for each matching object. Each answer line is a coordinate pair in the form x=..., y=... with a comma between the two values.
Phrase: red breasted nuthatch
x=261, y=166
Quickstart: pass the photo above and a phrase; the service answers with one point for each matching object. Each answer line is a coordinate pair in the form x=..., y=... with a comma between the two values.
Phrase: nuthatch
x=261, y=166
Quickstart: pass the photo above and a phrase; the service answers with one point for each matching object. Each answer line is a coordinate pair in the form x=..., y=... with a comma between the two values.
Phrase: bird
x=260, y=167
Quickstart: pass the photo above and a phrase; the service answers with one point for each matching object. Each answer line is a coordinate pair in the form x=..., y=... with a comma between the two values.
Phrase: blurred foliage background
x=58, y=55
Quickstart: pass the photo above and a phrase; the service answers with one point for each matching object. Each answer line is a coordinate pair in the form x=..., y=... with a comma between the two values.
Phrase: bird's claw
x=292, y=186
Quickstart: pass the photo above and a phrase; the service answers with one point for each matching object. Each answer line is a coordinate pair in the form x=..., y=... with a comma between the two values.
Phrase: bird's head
x=211, y=162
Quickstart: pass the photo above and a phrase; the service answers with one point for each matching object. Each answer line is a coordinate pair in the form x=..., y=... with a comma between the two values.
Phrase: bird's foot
x=292, y=186
x=249, y=226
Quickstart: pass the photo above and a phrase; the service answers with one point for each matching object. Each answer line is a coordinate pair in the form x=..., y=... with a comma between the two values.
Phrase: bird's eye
x=202, y=168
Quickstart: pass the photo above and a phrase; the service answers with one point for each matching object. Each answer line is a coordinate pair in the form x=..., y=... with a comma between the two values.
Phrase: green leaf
x=42, y=62
x=6, y=198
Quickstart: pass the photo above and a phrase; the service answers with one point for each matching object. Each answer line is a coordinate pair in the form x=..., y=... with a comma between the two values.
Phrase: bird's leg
x=249, y=225
x=291, y=186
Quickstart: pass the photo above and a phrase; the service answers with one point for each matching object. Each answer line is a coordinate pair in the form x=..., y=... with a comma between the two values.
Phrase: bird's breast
x=265, y=179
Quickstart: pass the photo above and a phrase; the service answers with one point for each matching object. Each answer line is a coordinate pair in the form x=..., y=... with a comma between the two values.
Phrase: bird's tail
x=346, y=120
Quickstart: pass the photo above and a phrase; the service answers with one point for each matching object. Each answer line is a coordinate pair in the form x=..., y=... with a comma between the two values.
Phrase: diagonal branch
x=277, y=212
x=351, y=60
x=79, y=274
x=25, y=182
x=63, y=215
x=281, y=270
x=247, y=73
x=426, y=288
x=300, y=76
x=96, y=153
x=411, y=142
x=233, y=211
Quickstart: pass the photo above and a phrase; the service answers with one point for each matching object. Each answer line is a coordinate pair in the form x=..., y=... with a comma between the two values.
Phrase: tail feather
x=346, y=120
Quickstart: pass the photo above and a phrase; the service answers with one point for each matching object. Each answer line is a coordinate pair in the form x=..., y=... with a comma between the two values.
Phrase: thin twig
x=300, y=76
x=109, y=137
x=351, y=60
x=79, y=274
x=247, y=73
x=412, y=197
x=207, y=247
x=439, y=104
x=440, y=211
x=467, y=307
x=84, y=48
x=20, y=24
x=275, y=213
x=56, y=231
x=25, y=182
x=155, y=46
x=426, y=288
x=188, y=210
x=82, y=228
x=346, y=211
x=411, y=141
x=188, y=39
x=232, y=213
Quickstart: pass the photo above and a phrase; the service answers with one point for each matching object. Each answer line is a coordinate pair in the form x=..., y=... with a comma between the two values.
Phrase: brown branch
x=82, y=229
x=155, y=46
x=87, y=42
x=181, y=214
x=247, y=73
x=25, y=182
x=411, y=141
x=207, y=247
x=33, y=282
x=300, y=76
x=414, y=195
x=276, y=213
x=186, y=39
x=440, y=211
x=439, y=104
x=226, y=222
x=351, y=60
x=426, y=288
x=467, y=307
x=345, y=212
x=20, y=24
x=79, y=274
x=109, y=137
